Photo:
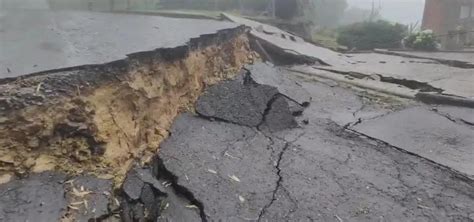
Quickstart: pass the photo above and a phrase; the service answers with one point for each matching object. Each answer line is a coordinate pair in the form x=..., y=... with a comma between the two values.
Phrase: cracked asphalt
x=448, y=73
x=270, y=145
x=327, y=168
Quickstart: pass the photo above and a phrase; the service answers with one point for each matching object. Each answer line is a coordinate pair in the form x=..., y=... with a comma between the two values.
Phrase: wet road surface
x=269, y=145
x=344, y=158
x=321, y=170
x=449, y=79
x=465, y=57
x=39, y=40
x=428, y=134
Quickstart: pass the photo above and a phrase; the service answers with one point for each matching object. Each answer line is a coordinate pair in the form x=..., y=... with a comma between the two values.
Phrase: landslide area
x=100, y=119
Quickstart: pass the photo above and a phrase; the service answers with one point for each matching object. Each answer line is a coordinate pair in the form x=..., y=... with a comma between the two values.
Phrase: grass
x=327, y=38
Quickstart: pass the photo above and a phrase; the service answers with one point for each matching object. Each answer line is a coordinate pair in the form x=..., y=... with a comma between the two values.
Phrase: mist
x=401, y=11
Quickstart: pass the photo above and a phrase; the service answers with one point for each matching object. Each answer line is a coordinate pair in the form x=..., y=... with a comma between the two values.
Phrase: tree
x=372, y=34
x=286, y=9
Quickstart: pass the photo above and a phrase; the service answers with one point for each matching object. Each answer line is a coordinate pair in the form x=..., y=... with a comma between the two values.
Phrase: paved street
x=40, y=40
x=268, y=145
x=448, y=79
x=357, y=170
x=452, y=80
x=466, y=57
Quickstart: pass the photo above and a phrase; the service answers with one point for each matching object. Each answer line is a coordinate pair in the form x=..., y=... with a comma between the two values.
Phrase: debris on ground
x=207, y=131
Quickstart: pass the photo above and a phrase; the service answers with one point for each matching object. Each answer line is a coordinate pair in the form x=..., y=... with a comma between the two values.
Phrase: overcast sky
x=403, y=11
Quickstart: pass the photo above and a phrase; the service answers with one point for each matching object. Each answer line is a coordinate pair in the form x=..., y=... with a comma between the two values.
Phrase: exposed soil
x=101, y=118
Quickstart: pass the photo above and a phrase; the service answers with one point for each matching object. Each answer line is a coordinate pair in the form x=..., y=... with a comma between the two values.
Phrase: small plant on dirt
x=371, y=35
x=424, y=40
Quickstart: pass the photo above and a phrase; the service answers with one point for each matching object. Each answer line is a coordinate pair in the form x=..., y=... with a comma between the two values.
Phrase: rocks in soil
x=230, y=155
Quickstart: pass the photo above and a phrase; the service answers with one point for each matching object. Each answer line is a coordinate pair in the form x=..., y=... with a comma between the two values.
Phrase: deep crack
x=447, y=62
x=267, y=109
x=461, y=176
x=411, y=84
x=467, y=122
x=278, y=182
x=452, y=119
x=161, y=172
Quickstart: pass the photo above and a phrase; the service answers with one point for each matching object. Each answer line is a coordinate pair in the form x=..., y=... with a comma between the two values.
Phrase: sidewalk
x=427, y=80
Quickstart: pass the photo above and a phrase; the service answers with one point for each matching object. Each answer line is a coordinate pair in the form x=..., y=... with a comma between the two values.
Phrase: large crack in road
x=259, y=144
x=321, y=171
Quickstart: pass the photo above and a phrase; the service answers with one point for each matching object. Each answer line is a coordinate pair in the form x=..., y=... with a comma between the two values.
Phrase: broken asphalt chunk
x=282, y=79
x=90, y=196
x=238, y=102
x=132, y=186
x=279, y=117
x=144, y=196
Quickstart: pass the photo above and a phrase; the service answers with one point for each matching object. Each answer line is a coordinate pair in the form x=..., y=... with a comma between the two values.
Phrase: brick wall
x=435, y=16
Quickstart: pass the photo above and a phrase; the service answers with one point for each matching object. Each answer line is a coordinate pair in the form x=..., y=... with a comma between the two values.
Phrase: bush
x=370, y=35
x=424, y=40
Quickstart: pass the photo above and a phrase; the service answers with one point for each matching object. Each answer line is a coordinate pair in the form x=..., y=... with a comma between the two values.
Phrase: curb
x=424, y=97
x=401, y=92
x=434, y=98
x=448, y=62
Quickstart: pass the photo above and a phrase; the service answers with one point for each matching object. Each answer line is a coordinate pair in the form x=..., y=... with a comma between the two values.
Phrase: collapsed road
x=207, y=132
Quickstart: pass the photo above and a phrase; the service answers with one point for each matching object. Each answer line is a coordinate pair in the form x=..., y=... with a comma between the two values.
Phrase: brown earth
x=102, y=118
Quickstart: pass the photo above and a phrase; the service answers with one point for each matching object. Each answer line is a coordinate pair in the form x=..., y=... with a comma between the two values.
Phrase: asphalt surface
x=449, y=79
x=272, y=145
x=347, y=155
x=452, y=80
x=35, y=40
x=466, y=57
x=289, y=42
x=322, y=170
x=423, y=132
x=51, y=196
x=39, y=198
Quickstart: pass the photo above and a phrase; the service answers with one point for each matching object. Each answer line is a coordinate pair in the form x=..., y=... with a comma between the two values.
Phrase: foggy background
x=402, y=11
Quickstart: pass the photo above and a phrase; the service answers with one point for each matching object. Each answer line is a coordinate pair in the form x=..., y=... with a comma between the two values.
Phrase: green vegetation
x=425, y=40
x=327, y=38
x=370, y=35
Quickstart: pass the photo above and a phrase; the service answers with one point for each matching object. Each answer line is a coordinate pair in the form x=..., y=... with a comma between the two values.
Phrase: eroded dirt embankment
x=101, y=118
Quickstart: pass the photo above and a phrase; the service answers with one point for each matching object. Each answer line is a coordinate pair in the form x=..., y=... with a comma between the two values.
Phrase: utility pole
x=273, y=9
x=241, y=5
x=372, y=12
x=112, y=3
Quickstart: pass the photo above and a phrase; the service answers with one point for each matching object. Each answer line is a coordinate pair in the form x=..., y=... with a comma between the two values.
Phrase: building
x=451, y=20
